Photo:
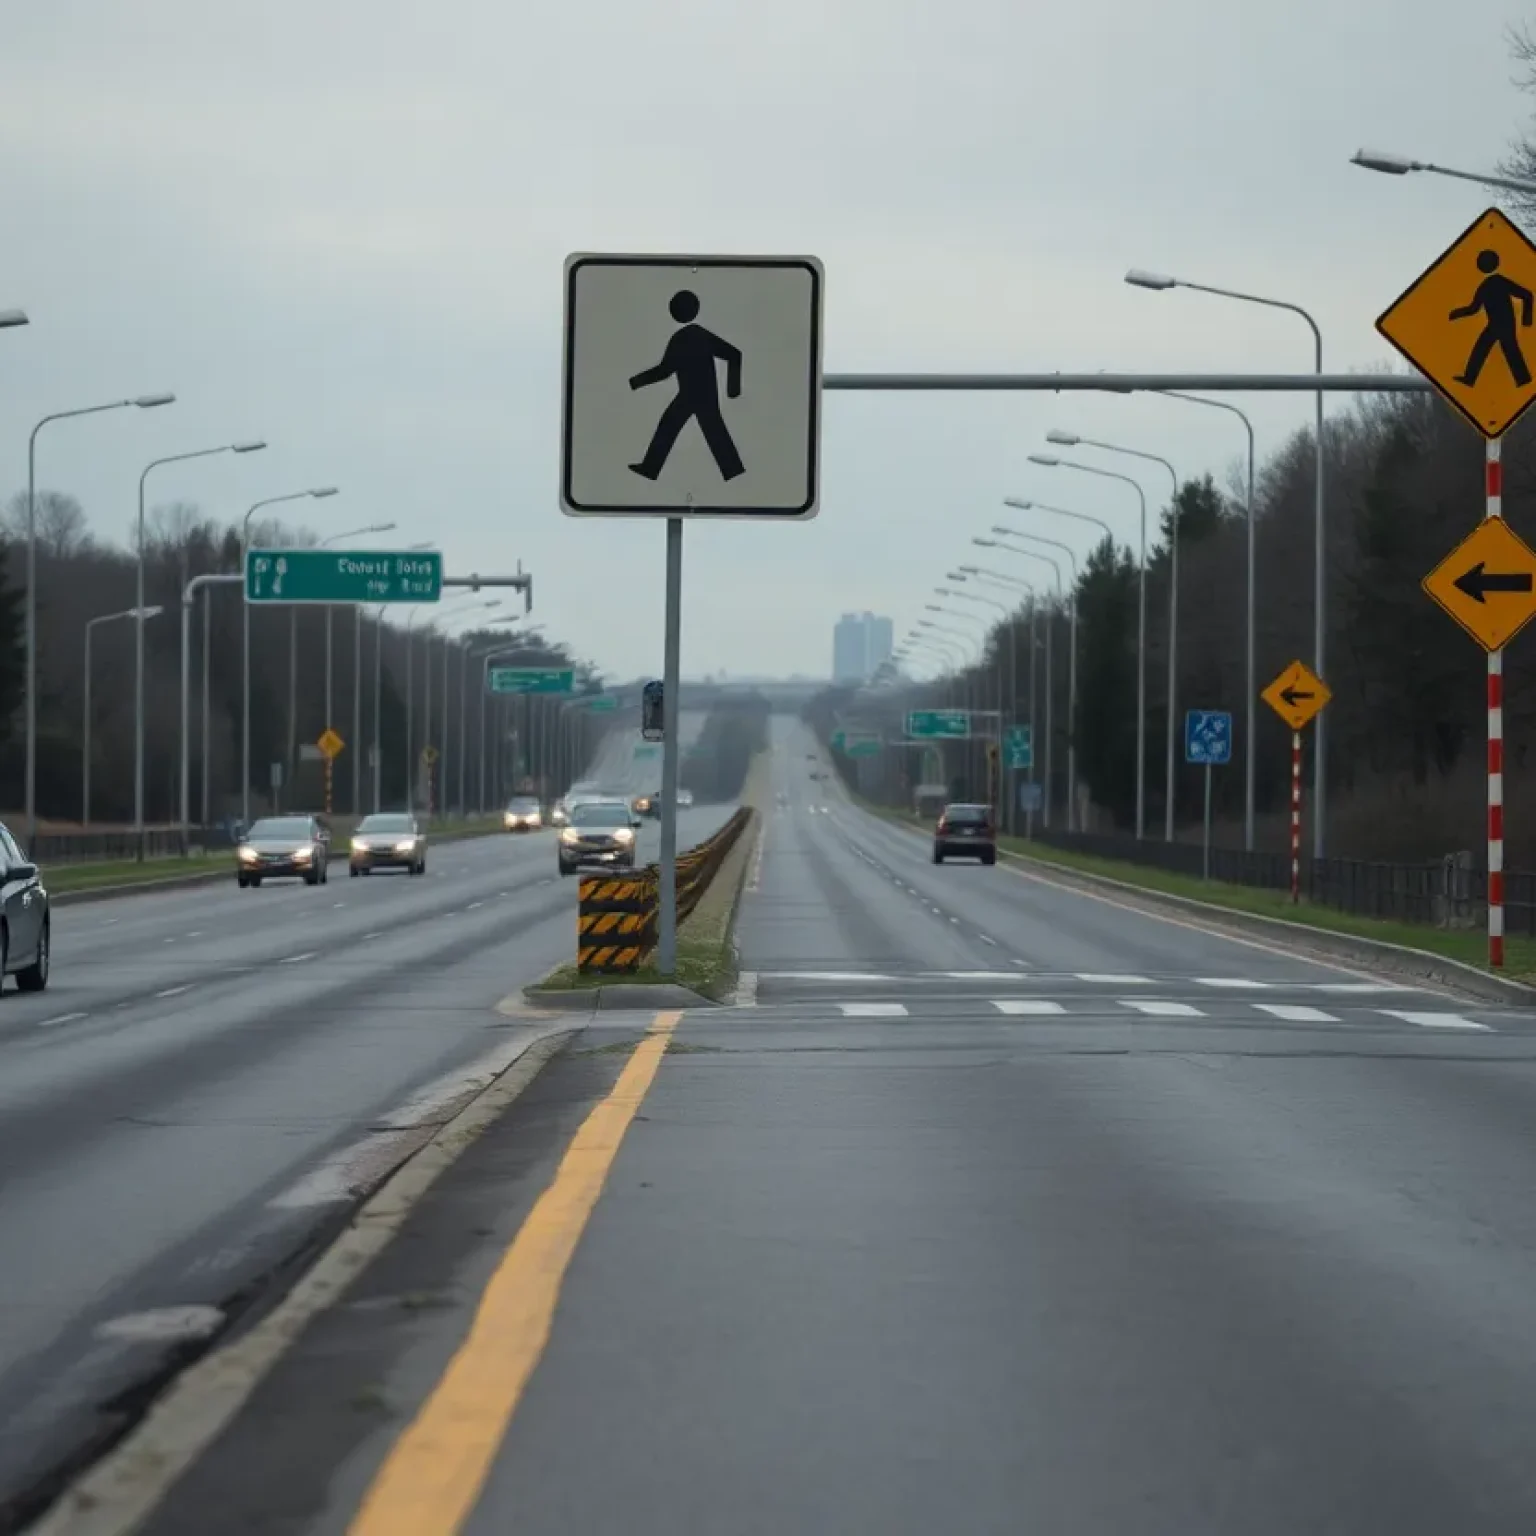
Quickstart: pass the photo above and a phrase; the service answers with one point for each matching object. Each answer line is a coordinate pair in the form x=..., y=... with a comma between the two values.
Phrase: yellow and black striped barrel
x=615, y=922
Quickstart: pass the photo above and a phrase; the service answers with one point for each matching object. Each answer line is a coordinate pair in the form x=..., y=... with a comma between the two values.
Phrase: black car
x=26, y=930
x=966, y=832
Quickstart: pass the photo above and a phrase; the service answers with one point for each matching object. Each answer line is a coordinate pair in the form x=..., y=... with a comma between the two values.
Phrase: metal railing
x=616, y=914
x=1450, y=892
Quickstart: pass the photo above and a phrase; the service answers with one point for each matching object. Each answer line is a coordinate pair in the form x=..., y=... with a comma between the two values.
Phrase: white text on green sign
x=530, y=679
x=343, y=576
x=954, y=724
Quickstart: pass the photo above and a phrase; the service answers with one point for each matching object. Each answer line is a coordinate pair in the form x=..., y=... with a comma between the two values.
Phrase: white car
x=684, y=798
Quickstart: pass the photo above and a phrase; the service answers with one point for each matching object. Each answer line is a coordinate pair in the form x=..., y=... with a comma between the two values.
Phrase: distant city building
x=860, y=643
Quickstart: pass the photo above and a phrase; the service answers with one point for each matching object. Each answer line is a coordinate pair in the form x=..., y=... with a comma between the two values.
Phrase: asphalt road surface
x=211, y=1076
x=997, y=1208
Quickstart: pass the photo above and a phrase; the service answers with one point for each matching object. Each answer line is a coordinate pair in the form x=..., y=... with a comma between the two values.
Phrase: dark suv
x=967, y=832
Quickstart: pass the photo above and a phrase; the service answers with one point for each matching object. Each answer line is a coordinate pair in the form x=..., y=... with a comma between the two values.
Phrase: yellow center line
x=431, y=1479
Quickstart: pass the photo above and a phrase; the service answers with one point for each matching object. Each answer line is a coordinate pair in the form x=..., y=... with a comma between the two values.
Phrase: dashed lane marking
x=175, y=991
x=294, y=959
x=1159, y=1009
x=1020, y=1007
x=62, y=1018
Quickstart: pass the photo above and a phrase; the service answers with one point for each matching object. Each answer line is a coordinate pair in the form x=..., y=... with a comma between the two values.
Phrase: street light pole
x=1068, y=439
x=138, y=628
x=245, y=660
x=1051, y=462
x=1072, y=816
x=1158, y=282
x=1000, y=578
x=188, y=597
x=142, y=402
x=1250, y=678
x=330, y=611
x=85, y=749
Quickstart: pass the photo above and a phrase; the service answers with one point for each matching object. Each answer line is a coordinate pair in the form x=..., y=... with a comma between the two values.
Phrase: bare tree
x=62, y=528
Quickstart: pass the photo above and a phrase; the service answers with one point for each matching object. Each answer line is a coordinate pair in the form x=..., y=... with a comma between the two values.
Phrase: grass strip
x=214, y=863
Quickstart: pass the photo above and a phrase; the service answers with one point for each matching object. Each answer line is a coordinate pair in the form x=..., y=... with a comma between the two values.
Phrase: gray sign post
x=646, y=429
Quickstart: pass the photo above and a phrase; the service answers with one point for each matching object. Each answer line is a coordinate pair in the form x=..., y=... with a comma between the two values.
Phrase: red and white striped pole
x=1295, y=816
x=1495, y=508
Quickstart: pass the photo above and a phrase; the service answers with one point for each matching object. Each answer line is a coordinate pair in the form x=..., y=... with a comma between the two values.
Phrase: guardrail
x=616, y=914
x=1442, y=893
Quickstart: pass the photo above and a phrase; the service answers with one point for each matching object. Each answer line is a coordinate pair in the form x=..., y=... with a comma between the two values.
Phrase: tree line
x=1407, y=725
x=81, y=578
x=714, y=769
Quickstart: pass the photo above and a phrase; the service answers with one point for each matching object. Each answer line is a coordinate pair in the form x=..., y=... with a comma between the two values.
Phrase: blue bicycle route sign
x=1208, y=736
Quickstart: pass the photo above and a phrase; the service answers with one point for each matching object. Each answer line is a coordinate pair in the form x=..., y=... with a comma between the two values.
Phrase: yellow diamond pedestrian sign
x=330, y=744
x=1487, y=584
x=1297, y=695
x=1468, y=324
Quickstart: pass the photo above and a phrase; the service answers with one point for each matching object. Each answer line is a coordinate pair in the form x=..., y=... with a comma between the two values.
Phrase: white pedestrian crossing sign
x=692, y=386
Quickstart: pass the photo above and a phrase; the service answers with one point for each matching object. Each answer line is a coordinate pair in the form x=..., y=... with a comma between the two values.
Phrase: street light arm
x=1258, y=298
x=1399, y=165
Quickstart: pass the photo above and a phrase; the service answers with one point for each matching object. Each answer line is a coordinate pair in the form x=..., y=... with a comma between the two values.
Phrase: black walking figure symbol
x=1495, y=301
x=690, y=356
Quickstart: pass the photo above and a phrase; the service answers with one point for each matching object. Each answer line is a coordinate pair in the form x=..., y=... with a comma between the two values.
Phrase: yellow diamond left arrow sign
x=330, y=744
x=1487, y=584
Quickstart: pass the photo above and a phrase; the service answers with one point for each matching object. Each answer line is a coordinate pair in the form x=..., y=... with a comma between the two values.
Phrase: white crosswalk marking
x=1293, y=1013
x=1160, y=1009
x=1434, y=1020
x=1114, y=981
x=873, y=1010
x=1025, y=1005
x=1360, y=987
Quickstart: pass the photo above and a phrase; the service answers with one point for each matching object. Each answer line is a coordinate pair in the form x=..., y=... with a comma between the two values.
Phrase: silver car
x=283, y=848
x=601, y=832
x=25, y=939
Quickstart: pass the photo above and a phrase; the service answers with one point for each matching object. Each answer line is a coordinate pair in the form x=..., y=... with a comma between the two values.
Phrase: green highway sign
x=952, y=724
x=604, y=703
x=646, y=749
x=343, y=576
x=863, y=746
x=530, y=679
x=1018, y=747
x=839, y=740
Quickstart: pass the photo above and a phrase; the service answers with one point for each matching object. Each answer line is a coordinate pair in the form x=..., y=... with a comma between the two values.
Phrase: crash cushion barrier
x=616, y=915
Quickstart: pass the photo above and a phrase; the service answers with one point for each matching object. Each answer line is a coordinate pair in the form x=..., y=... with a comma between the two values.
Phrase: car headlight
x=359, y=846
x=623, y=835
x=303, y=855
x=570, y=835
x=408, y=846
x=248, y=855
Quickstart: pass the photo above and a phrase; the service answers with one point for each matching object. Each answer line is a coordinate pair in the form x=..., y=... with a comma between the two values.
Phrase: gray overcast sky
x=340, y=225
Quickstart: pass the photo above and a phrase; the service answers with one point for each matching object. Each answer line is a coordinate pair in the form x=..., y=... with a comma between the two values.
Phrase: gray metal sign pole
x=666, y=914
x=1136, y=383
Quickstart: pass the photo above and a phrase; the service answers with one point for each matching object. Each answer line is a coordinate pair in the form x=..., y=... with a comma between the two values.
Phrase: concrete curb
x=632, y=997
x=1399, y=960
x=118, y=1493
